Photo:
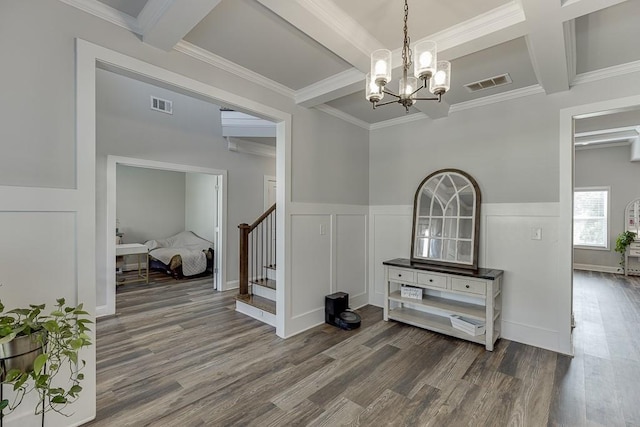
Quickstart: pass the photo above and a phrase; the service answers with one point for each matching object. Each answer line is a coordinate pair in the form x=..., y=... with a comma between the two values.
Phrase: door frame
x=221, y=241
x=566, y=185
x=90, y=56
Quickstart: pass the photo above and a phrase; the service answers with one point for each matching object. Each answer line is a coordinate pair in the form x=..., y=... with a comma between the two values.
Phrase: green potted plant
x=622, y=242
x=37, y=351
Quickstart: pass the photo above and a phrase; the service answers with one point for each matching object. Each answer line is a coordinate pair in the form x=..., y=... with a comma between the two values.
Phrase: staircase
x=257, y=287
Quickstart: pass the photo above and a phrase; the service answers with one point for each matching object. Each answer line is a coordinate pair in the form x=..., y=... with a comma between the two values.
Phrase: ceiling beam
x=572, y=9
x=165, y=22
x=335, y=30
x=546, y=43
x=326, y=23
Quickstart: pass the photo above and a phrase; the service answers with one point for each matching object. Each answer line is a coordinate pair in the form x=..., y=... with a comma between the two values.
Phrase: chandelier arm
x=387, y=103
x=435, y=98
x=392, y=94
x=416, y=91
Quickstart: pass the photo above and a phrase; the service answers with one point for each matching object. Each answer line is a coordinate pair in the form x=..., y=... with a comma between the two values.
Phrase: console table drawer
x=432, y=280
x=402, y=275
x=634, y=252
x=468, y=286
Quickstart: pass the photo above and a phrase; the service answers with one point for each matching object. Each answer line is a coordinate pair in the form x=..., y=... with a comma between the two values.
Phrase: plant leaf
x=38, y=364
x=58, y=399
x=8, y=338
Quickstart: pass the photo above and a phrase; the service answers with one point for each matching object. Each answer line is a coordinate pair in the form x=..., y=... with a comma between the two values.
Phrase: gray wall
x=512, y=153
x=608, y=167
x=150, y=203
x=39, y=65
x=330, y=160
x=201, y=205
x=126, y=126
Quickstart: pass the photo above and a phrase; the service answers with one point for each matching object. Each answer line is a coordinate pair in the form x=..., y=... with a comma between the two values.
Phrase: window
x=591, y=217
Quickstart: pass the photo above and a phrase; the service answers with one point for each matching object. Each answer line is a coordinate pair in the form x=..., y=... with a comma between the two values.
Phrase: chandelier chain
x=406, y=51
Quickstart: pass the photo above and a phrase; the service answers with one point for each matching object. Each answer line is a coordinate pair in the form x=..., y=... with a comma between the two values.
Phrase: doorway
x=218, y=280
x=568, y=117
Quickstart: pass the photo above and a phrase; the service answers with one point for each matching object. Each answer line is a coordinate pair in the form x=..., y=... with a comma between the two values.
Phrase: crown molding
x=342, y=115
x=231, y=67
x=330, y=84
x=250, y=147
x=102, y=11
x=606, y=73
x=398, y=121
x=489, y=22
x=499, y=97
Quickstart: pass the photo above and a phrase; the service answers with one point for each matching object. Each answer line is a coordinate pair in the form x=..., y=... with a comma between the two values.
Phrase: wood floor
x=179, y=355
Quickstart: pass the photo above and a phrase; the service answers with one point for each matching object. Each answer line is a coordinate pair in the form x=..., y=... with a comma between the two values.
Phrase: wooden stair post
x=244, y=259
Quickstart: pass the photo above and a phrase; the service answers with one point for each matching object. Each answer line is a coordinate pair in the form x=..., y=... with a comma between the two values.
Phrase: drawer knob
x=399, y=275
x=431, y=280
x=467, y=286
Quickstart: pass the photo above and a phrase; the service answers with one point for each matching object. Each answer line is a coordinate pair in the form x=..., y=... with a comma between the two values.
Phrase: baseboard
x=233, y=284
x=599, y=268
x=534, y=336
x=102, y=310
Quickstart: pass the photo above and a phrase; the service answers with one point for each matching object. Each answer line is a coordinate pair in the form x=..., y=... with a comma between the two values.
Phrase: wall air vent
x=161, y=105
x=503, y=79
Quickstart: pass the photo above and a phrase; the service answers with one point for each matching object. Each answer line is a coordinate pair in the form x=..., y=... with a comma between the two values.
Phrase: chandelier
x=434, y=75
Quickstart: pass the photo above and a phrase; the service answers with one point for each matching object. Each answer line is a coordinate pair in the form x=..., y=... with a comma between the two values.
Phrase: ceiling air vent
x=161, y=105
x=503, y=79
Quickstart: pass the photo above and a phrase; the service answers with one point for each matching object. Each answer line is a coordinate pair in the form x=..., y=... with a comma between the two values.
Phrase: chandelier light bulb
x=425, y=66
x=440, y=77
x=381, y=66
x=425, y=59
x=373, y=92
x=441, y=81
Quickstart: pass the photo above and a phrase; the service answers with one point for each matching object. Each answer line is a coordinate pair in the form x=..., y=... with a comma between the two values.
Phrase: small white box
x=410, y=292
x=470, y=326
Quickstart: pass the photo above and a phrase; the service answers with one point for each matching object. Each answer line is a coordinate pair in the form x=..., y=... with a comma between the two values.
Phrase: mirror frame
x=635, y=205
x=473, y=265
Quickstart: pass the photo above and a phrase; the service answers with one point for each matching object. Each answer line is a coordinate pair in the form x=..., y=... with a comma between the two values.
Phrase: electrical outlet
x=536, y=233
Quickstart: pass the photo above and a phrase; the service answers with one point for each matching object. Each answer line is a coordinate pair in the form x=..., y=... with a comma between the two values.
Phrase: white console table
x=446, y=291
x=633, y=252
x=142, y=252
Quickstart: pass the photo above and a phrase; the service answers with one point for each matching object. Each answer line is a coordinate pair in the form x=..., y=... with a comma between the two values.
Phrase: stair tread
x=258, y=302
x=267, y=283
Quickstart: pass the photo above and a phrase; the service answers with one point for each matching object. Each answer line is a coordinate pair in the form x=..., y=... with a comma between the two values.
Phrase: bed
x=182, y=255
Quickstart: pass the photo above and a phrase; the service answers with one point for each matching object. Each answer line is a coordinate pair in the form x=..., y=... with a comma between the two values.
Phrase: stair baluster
x=257, y=250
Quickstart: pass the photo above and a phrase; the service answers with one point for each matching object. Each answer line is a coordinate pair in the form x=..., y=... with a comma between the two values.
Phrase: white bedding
x=189, y=246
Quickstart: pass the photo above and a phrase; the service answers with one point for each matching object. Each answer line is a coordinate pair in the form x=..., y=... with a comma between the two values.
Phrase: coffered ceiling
x=317, y=51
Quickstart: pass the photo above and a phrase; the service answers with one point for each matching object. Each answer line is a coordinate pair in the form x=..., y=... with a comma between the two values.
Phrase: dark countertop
x=480, y=273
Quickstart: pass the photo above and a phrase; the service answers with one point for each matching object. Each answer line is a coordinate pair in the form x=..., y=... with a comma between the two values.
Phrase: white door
x=269, y=191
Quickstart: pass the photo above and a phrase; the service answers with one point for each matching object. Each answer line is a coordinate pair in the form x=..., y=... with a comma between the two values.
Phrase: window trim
x=608, y=218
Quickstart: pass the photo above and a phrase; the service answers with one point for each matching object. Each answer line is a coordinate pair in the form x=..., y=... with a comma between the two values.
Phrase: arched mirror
x=632, y=217
x=446, y=212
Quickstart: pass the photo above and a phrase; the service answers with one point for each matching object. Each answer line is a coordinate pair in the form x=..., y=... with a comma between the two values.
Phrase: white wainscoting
x=532, y=309
x=328, y=254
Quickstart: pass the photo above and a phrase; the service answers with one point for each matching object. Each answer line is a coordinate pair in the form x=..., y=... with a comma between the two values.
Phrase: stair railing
x=257, y=249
